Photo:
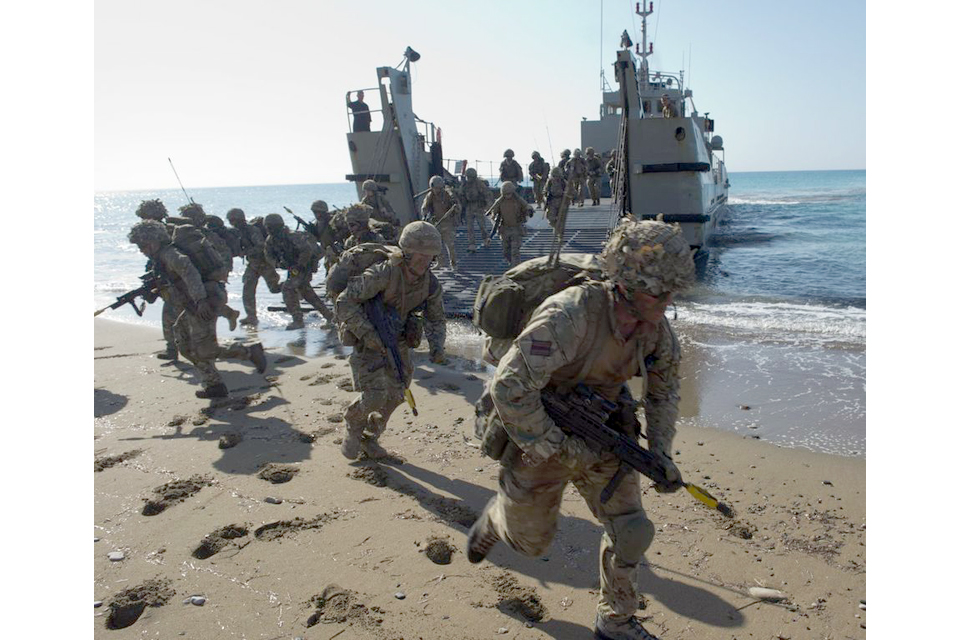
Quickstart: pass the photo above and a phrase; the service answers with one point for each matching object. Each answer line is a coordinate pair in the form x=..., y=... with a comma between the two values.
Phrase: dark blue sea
x=776, y=323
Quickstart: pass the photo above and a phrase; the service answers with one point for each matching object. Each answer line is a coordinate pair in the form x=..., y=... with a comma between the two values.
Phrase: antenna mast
x=644, y=49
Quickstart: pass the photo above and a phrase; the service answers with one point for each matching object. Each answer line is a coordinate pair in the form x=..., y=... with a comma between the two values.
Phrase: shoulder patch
x=541, y=348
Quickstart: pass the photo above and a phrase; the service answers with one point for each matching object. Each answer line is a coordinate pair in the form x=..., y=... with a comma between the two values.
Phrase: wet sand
x=239, y=518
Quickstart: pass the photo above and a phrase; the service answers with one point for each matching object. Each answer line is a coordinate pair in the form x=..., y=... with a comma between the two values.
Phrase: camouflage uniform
x=436, y=205
x=538, y=173
x=475, y=193
x=296, y=252
x=553, y=193
x=374, y=372
x=382, y=210
x=564, y=161
x=577, y=173
x=594, y=169
x=510, y=170
x=364, y=236
x=325, y=234
x=513, y=212
x=251, y=249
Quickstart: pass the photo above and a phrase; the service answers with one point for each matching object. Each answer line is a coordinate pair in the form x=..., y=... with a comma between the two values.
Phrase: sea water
x=773, y=333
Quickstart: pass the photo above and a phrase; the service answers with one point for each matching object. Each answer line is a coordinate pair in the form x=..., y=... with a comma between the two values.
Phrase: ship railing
x=488, y=170
x=350, y=114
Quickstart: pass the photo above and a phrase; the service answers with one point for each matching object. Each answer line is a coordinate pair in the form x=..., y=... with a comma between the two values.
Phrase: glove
x=206, y=310
x=674, y=480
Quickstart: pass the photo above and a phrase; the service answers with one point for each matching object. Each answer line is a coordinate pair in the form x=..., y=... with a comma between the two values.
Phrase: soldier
x=594, y=170
x=476, y=196
x=564, y=159
x=156, y=210
x=510, y=169
x=330, y=245
x=196, y=326
x=406, y=285
x=382, y=210
x=538, y=173
x=600, y=333
x=251, y=249
x=556, y=186
x=296, y=252
x=441, y=210
x=358, y=222
x=223, y=239
x=513, y=212
x=577, y=174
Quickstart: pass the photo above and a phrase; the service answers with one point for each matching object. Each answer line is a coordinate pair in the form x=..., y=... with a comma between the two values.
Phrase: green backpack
x=193, y=243
x=353, y=262
x=504, y=303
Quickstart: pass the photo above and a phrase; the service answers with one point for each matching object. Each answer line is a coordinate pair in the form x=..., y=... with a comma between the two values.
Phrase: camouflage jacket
x=576, y=168
x=594, y=166
x=513, y=211
x=424, y=294
x=511, y=170
x=435, y=207
x=381, y=208
x=572, y=337
x=538, y=168
x=292, y=250
x=251, y=241
x=475, y=192
x=183, y=285
x=554, y=189
x=367, y=236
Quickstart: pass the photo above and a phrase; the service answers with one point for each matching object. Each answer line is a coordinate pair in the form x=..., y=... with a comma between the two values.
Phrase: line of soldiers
x=599, y=332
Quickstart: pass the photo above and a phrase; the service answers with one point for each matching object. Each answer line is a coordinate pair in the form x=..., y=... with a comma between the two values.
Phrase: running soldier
x=441, y=209
x=323, y=231
x=594, y=171
x=358, y=222
x=599, y=333
x=476, y=196
x=405, y=285
x=538, y=173
x=564, y=160
x=251, y=250
x=297, y=252
x=553, y=194
x=510, y=169
x=513, y=211
x=577, y=174
x=382, y=210
x=200, y=302
x=156, y=210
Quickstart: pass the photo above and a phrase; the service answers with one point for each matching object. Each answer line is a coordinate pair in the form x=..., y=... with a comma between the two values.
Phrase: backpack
x=353, y=262
x=191, y=241
x=504, y=303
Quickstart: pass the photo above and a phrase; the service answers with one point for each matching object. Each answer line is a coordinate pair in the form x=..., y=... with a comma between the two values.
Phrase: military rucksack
x=504, y=303
x=353, y=262
x=191, y=241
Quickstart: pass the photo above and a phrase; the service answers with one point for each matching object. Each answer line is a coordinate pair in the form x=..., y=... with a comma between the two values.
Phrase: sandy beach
x=239, y=518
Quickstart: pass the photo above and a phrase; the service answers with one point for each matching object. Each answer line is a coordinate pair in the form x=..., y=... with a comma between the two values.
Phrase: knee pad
x=632, y=535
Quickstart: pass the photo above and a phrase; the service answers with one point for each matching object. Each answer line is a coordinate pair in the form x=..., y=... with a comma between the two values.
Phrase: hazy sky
x=241, y=92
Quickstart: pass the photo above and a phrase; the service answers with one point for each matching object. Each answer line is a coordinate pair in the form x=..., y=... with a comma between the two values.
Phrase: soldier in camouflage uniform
x=358, y=222
x=330, y=244
x=441, y=209
x=510, y=169
x=382, y=210
x=577, y=174
x=406, y=285
x=600, y=333
x=156, y=210
x=200, y=301
x=564, y=161
x=594, y=170
x=513, y=211
x=251, y=249
x=475, y=194
x=553, y=193
x=296, y=252
x=538, y=173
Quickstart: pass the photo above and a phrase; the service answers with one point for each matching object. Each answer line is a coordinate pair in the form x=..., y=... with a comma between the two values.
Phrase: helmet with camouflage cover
x=421, y=237
x=214, y=222
x=369, y=185
x=151, y=210
x=535, y=155
x=565, y=153
x=471, y=173
x=358, y=214
x=508, y=153
x=556, y=172
x=649, y=256
x=319, y=206
x=508, y=188
x=147, y=231
x=577, y=153
x=235, y=215
x=273, y=222
x=194, y=213
x=590, y=151
x=436, y=181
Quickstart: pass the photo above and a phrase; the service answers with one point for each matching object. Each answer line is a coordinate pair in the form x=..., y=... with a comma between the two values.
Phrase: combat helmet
x=152, y=210
x=471, y=173
x=535, y=155
x=214, y=222
x=235, y=215
x=590, y=151
x=565, y=153
x=556, y=172
x=358, y=214
x=649, y=256
x=421, y=237
x=369, y=185
x=319, y=206
x=508, y=153
x=194, y=213
x=149, y=231
x=508, y=187
x=436, y=181
x=273, y=222
x=577, y=153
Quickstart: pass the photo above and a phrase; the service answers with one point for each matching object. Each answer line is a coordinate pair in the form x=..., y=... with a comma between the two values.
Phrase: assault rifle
x=309, y=226
x=149, y=291
x=584, y=413
x=387, y=325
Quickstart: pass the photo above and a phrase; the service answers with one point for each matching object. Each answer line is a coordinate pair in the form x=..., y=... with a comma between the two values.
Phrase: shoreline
x=374, y=530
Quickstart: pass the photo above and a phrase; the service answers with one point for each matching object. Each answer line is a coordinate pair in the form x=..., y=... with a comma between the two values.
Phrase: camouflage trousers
x=593, y=183
x=197, y=339
x=168, y=316
x=255, y=270
x=375, y=377
x=448, y=234
x=538, y=190
x=474, y=215
x=580, y=187
x=525, y=512
x=553, y=212
x=511, y=237
x=297, y=286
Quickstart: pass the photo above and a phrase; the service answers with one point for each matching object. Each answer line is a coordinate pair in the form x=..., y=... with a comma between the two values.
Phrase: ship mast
x=642, y=49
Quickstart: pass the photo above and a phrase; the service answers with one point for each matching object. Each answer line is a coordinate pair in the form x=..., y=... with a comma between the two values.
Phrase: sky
x=243, y=92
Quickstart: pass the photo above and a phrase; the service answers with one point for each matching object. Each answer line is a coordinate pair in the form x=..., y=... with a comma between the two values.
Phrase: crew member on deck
x=361, y=112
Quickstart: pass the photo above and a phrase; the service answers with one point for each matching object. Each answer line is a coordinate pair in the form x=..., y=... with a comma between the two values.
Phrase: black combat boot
x=258, y=357
x=216, y=391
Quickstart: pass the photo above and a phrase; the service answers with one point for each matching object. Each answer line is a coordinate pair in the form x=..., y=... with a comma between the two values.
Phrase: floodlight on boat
x=411, y=55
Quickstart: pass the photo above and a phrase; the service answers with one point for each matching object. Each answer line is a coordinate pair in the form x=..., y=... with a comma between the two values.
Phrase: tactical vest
x=191, y=242
x=353, y=262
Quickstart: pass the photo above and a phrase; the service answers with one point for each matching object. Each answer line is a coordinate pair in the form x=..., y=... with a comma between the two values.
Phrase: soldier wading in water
x=600, y=333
